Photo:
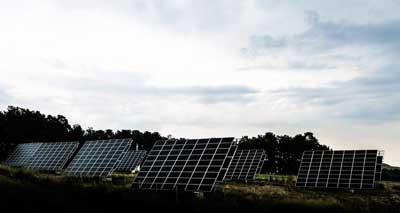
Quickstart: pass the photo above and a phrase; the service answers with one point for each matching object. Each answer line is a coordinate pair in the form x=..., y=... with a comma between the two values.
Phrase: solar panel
x=188, y=165
x=340, y=169
x=379, y=166
x=52, y=156
x=261, y=165
x=227, y=163
x=131, y=160
x=246, y=164
x=98, y=158
x=22, y=154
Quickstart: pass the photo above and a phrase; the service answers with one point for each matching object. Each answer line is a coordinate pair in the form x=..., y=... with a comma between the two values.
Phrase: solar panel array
x=22, y=154
x=131, y=160
x=246, y=164
x=52, y=156
x=189, y=165
x=98, y=158
x=340, y=169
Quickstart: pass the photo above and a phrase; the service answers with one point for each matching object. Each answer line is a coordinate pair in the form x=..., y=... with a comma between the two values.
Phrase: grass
x=277, y=179
x=279, y=192
x=29, y=191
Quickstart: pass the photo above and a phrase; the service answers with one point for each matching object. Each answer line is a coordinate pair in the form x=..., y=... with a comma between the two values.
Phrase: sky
x=210, y=68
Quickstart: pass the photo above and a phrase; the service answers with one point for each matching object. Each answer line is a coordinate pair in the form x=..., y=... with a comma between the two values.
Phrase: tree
x=19, y=125
x=76, y=133
x=283, y=152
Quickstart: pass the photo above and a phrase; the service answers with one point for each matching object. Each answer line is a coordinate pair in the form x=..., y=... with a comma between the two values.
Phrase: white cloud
x=178, y=67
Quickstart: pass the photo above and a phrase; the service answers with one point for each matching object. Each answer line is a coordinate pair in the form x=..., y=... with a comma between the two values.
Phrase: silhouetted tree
x=76, y=133
x=283, y=152
x=18, y=125
x=23, y=125
x=391, y=174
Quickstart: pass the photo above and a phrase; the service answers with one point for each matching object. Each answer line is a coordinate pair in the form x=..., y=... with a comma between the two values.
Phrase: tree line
x=283, y=152
x=19, y=125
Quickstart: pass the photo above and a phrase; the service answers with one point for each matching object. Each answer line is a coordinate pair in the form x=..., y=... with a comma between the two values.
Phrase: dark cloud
x=374, y=96
x=212, y=94
x=220, y=90
x=266, y=41
x=327, y=35
x=131, y=84
x=263, y=44
x=303, y=65
x=336, y=34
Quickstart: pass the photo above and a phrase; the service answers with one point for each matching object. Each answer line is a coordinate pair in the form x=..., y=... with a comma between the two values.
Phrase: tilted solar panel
x=131, y=160
x=189, y=165
x=379, y=166
x=246, y=164
x=261, y=165
x=227, y=164
x=98, y=158
x=22, y=154
x=340, y=169
x=52, y=156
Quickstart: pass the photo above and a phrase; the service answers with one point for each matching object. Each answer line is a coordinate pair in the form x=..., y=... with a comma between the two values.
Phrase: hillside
x=33, y=192
x=389, y=167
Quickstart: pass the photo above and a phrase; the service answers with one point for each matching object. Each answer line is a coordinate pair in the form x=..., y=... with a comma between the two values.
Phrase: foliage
x=27, y=191
x=23, y=125
x=18, y=125
x=283, y=152
x=391, y=174
x=288, y=180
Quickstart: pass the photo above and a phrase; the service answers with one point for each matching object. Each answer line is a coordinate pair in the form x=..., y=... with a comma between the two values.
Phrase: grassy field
x=22, y=190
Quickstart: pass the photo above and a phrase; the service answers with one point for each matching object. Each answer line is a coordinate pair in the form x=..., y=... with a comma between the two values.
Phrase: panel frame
x=48, y=152
x=98, y=158
x=194, y=165
x=249, y=161
x=131, y=160
x=352, y=171
x=22, y=149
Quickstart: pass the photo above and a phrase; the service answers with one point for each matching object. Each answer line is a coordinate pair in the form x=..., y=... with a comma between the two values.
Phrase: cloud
x=170, y=66
x=213, y=94
x=55, y=63
x=336, y=34
x=289, y=65
x=4, y=96
x=323, y=36
x=303, y=65
x=184, y=16
x=131, y=84
x=140, y=86
x=266, y=41
x=372, y=97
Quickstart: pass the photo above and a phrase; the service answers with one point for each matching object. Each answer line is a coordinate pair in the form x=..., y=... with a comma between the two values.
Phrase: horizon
x=212, y=68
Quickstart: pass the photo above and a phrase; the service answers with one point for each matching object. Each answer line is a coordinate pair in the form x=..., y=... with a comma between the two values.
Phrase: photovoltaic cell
x=131, y=160
x=246, y=164
x=98, y=158
x=189, y=165
x=52, y=156
x=22, y=154
x=340, y=169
